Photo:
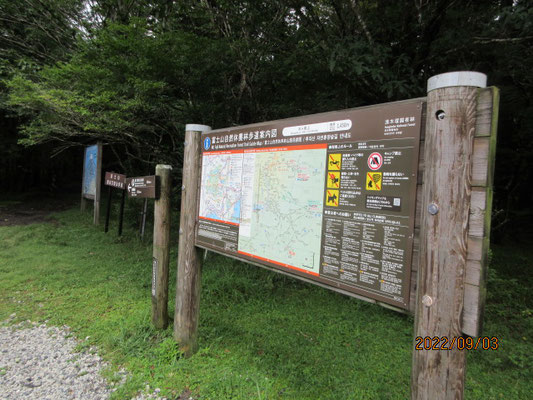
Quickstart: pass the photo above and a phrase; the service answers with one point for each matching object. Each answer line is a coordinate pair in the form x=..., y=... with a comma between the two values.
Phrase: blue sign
x=89, y=170
x=207, y=143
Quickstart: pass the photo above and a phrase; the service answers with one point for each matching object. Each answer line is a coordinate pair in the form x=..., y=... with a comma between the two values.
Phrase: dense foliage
x=132, y=73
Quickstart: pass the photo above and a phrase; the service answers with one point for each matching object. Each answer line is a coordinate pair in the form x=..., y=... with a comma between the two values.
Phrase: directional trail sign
x=115, y=180
x=142, y=187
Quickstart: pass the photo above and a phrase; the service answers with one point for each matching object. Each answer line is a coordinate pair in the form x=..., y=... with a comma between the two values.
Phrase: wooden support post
x=83, y=199
x=446, y=194
x=121, y=213
x=161, y=250
x=108, y=210
x=189, y=257
x=98, y=185
x=143, y=218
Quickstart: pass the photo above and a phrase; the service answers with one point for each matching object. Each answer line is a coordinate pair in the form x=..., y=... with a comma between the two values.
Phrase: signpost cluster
x=156, y=187
x=388, y=203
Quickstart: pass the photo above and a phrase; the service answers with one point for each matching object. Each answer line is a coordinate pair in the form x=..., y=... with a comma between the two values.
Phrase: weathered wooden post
x=121, y=212
x=142, y=224
x=189, y=258
x=108, y=209
x=446, y=199
x=96, y=215
x=161, y=248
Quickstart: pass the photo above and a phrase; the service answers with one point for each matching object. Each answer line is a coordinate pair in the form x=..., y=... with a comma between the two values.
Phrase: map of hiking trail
x=220, y=198
x=89, y=178
x=282, y=204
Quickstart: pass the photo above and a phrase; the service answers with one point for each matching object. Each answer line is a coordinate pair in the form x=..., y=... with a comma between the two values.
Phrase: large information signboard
x=90, y=164
x=328, y=197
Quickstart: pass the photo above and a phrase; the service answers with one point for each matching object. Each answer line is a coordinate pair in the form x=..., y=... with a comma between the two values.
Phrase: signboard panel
x=115, y=180
x=329, y=197
x=142, y=186
x=90, y=168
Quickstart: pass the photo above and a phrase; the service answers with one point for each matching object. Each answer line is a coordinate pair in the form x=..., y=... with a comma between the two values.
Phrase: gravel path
x=39, y=362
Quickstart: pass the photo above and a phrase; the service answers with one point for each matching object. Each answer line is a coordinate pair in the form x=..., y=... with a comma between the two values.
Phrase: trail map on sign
x=281, y=218
x=328, y=198
x=221, y=181
x=89, y=177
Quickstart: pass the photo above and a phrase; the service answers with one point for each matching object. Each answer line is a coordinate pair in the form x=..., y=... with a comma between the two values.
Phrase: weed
x=262, y=335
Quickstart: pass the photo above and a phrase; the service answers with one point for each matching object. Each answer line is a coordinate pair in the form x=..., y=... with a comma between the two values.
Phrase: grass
x=262, y=335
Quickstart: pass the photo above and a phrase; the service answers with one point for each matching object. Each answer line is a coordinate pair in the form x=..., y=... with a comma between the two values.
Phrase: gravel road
x=39, y=362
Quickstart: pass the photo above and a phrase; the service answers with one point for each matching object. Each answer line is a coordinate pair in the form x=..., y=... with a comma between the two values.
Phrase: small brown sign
x=142, y=186
x=115, y=180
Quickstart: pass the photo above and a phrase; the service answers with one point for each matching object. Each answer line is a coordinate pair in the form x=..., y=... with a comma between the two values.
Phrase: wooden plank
x=473, y=273
x=98, y=178
x=412, y=291
x=480, y=219
x=187, y=307
x=471, y=305
x=421, y=163
x=476, y=220
x=480, y=161
x=418, y=209
x=83, y=206
x=480, y=171
x=484, y=112
x=475, y=248
x=161, y=248
x=443, y=240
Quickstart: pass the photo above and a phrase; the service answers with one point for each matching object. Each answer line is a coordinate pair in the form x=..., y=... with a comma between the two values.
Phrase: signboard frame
x=450, y=251
x=376, y=111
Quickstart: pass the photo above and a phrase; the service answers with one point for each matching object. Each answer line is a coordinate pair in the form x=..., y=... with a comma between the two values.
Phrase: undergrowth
x=262, y=335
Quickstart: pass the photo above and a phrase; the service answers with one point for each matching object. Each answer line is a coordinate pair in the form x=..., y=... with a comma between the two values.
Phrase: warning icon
x=334, y=179
x=332, y=198
x=334, y=162
x=373, y=181
x=375, y=161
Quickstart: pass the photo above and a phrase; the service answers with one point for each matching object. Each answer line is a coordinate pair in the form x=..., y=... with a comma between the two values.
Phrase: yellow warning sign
x=332, y=198
x=373, y=181
x=334, y=179
x=334, y=162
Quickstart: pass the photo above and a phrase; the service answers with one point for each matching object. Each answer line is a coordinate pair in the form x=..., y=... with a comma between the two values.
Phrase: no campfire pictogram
x=375, y=161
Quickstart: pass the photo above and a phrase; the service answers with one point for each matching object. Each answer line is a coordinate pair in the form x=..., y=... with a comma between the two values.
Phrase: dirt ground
x=30, y=210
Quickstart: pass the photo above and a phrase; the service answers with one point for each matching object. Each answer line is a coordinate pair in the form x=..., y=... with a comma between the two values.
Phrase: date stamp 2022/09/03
x=459, y=343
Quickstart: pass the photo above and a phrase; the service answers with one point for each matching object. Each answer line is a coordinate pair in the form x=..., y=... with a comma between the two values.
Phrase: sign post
x=142, y=187
x=121, y=212
x=144, y=212
x=189, y=260
x=445, y=207
x=108, y=209
x=113, y=180
x=161, y=249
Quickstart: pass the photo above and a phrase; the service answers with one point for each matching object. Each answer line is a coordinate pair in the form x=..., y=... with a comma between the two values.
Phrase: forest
x=132, y=73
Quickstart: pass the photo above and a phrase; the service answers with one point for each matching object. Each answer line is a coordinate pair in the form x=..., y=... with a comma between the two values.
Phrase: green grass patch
x=262, y=335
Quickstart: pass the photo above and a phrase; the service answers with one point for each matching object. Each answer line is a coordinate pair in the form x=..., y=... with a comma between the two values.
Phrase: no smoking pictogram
x=375, y=161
